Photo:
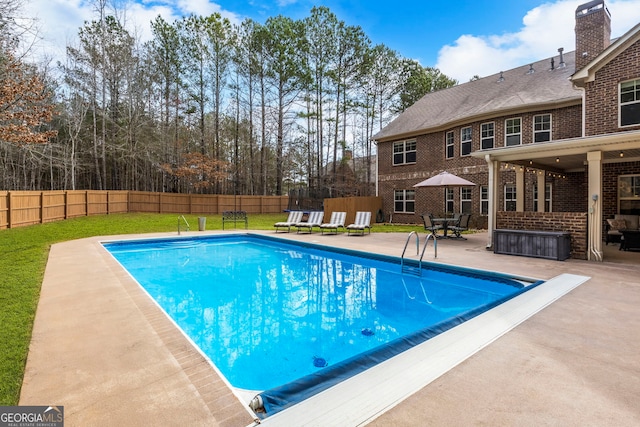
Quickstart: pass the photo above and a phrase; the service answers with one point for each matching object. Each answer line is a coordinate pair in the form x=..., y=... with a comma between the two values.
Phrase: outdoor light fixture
x=621, y=154
x=557, y=159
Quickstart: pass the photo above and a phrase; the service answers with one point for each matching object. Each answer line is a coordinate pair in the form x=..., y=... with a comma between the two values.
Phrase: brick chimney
x=593, y=31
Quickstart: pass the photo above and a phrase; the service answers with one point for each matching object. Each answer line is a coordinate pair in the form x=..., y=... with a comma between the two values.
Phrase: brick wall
x=601, y=95
x=593, y=34
x=430, y=160
x=571, y=193
x=572, y=222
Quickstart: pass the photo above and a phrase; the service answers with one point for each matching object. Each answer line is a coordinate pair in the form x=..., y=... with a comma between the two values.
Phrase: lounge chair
x=336, y=222
x=429, y=225
x=294, y=218
x=462, y=225
x=314, y=220
x=361, y=223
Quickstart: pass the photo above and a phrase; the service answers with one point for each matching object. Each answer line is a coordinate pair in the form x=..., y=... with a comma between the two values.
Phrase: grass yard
x=24, y=253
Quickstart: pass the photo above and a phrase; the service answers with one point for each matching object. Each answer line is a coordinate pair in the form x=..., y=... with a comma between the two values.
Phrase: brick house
x=548, y=144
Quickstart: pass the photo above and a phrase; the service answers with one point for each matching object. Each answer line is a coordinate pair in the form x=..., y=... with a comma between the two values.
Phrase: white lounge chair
x=336, y=222
x=314, y=220
x=361, y=223
x=294, y=218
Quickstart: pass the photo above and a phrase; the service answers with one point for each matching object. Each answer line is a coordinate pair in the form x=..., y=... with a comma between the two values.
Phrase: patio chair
x=336, y=222
x=429, y=225
x=314, y=220
x=361, y=223
x=462, y=225
x=294, y=218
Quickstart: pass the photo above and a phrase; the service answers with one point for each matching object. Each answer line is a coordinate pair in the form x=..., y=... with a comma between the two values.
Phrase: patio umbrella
x=444, y=179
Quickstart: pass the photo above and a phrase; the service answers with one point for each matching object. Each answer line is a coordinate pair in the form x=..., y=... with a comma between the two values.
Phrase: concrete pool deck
x=103, y=350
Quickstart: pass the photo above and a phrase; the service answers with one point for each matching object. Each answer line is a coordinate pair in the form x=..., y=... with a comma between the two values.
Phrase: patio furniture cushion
x=361, y=223
x=617, y=224
x=336, y=222
x=630, y=220
x=314, y=220
x=294, y=218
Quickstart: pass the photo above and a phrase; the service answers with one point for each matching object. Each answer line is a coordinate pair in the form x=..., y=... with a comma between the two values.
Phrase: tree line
x=203, y=106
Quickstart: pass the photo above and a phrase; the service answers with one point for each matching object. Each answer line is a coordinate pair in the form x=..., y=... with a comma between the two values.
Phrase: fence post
x=9, y=195
x=42, y=207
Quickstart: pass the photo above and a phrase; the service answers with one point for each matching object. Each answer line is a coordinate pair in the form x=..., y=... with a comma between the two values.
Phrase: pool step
x=410, y=269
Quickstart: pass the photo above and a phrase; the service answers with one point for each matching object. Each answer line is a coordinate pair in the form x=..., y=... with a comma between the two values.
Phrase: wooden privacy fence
x=351, y=205
x=21, y=208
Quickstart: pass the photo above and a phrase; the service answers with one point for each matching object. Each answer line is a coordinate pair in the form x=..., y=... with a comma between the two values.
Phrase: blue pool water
x=279, y=315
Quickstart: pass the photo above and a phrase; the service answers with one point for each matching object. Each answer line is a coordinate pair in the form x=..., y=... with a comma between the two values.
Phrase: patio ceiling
x=568, y=155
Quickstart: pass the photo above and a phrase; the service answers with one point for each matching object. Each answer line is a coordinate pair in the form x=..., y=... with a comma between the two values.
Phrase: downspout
x=595, y=214
x=377, y=169
x=583, y=92
x=594, y=235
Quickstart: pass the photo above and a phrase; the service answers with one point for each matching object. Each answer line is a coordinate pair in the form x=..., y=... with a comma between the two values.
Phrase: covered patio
x=594, y=163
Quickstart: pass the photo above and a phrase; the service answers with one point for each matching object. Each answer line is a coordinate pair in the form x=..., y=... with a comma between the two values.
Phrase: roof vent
x=562, y=63
x=552, y=65
x=501, y=78
x=531, y=70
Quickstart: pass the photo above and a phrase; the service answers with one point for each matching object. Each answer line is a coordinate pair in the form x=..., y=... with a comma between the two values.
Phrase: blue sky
x=416, y=29
x=462, y=38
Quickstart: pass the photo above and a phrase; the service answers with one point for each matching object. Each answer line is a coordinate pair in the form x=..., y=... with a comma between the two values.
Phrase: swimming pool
x=292, y=319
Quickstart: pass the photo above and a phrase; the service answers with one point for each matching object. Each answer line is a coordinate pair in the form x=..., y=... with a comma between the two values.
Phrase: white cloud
x=60, y=20
x=545, y=29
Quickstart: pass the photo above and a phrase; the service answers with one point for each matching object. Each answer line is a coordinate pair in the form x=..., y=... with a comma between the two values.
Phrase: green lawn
x=24, y=253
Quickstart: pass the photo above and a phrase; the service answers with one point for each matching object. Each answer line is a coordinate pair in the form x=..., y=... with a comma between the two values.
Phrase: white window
x=484, y=200
x=405, y=201
x=510, y=197
x=487, y=134
x=465, y=141
x=513, y=132
x=629, y=194
x=448, y=200
x=449, y=145
x=630, y=103
x=466, y=204
x=547, y=198
x=542, y=128
x=404, y=152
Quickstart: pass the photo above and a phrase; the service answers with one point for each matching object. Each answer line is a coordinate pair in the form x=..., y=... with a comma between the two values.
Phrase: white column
x=520, y=189
x=541, y=191
x=594, y=232
x=494, y=178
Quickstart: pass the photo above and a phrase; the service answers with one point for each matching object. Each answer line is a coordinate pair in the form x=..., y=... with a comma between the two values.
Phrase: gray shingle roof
x=487, y=97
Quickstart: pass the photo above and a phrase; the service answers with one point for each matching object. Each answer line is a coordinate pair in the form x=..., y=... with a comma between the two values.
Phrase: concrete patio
x=103, y=350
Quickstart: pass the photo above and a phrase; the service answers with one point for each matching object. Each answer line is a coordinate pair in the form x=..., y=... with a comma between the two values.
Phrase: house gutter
x=582, y=145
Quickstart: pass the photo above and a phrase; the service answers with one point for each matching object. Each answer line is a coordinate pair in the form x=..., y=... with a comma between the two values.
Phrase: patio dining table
x=445, y=223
